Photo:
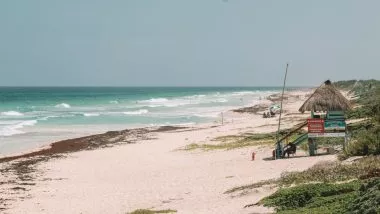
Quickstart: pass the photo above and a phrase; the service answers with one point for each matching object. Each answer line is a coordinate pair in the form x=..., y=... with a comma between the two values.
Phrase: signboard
x=335, y=125
x=325, y=128
x=315, y=126
x=336, y=134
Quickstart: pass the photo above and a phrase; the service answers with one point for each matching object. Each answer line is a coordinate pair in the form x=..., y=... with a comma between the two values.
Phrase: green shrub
x=365, y=142
x=368, y=200
x=313, y=198
x=323, y=172
x=354, y=197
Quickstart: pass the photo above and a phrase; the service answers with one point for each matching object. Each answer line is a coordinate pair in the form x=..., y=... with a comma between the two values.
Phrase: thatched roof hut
x=326, y=98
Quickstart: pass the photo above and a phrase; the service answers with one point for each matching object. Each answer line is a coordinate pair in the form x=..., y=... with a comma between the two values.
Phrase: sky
x=187, y=42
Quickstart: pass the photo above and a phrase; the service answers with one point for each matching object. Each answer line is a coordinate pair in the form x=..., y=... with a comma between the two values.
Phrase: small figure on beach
x=289, y=149
x=272, y=114
x=253, y=156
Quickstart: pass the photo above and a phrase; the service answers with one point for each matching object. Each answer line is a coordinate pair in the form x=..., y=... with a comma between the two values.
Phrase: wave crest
x=156, y=100
x=114, y=102
x=12, y=113
x=63, y=105
x=138, y=112
x=91, y=114
x=13, y=129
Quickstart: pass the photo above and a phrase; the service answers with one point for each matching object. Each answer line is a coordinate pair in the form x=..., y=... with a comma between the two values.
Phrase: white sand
x=155, y=174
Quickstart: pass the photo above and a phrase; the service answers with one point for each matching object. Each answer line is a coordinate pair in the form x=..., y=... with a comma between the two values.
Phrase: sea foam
x=91, y=114
x=63, y=105
x=138, y=112
x=13, y=129
x=11, y=113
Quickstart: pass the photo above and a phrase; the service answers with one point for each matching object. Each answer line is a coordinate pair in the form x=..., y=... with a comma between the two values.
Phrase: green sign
x=335, y=125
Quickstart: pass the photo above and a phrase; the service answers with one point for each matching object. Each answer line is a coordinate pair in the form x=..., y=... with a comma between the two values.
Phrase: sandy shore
x=149, y=170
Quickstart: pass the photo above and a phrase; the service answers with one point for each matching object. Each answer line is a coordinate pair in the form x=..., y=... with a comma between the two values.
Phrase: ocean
x=31, y=117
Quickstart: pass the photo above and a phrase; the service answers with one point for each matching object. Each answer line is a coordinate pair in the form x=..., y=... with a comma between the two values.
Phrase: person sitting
x=291, y=148
x=272, y=114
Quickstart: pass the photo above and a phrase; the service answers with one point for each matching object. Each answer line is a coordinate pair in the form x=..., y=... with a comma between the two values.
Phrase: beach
x=152, y=169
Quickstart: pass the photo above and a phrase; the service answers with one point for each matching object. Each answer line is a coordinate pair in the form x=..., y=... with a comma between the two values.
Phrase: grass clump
x=251, y=186
x=323, y=172
x=225, y=146
x=244, y=140
x=234, y=142
x=314, y=198
x=148, y=211
x=332, y=171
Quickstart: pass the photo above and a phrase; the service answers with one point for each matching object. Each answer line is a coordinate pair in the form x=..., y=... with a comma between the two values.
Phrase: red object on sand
x=253, y=156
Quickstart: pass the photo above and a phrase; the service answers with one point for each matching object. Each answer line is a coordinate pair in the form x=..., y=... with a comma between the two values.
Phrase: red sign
x=315, y=126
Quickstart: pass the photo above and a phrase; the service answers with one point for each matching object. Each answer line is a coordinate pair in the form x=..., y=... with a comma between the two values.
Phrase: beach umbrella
x=326, y=98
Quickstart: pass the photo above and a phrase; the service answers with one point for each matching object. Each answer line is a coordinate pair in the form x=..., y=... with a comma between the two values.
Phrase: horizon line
x=105, y=86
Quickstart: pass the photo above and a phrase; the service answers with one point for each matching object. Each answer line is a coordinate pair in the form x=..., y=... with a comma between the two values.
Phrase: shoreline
x=247, y=109
x=26, y=141
x=161, y=144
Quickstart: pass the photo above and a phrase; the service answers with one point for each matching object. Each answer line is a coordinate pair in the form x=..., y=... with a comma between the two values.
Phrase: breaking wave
x=138, y=112
x=114, y=102
x=12, y=113
x=91, y=114
x=63, y=105
x=14, y=129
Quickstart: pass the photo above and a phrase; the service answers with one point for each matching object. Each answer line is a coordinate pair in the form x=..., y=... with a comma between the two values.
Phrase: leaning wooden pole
x=282, y=99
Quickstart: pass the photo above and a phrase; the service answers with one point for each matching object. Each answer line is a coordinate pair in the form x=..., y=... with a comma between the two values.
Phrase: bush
x=326, y=172
x=366, y=142
x=368, y=200
x=354, y=197
x=314, y=198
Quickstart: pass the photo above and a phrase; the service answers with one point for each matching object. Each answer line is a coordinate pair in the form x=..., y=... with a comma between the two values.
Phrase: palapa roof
x=326, y=98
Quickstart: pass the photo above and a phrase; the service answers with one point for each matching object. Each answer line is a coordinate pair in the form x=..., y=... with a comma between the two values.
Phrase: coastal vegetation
x=340, y=187
x=239, y=141
x=365, y=135
x=351, y=186
x=235, y=142
x=324, y=172
x=351, y=197
x=149, y=211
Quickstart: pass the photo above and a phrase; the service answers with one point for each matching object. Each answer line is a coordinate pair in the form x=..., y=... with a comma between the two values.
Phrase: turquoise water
x=35, y=116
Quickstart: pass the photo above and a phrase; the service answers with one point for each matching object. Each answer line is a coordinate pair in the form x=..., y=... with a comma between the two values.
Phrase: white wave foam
x=208, y=114
x=242, y=93
x=8, y=122
x=114, y=102
x=91, y=114
x=221, y=100
x=47, y=117
x=196, y=96
x=11, y=113
x=14, y=128
x=181, y=101
x=138, y=112
x=156, y=100
x=63, y=105
x=172, y=124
